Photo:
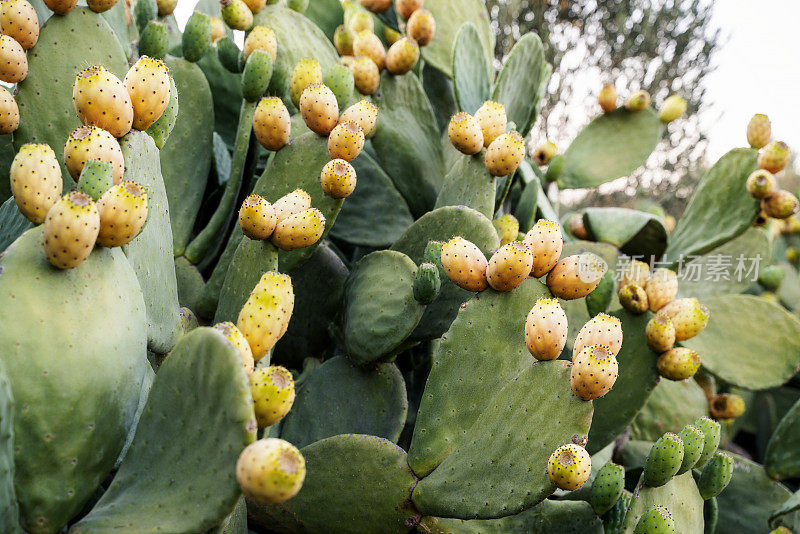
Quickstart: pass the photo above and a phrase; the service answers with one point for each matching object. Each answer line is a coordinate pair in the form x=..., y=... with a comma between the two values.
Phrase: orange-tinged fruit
x=364, y=113
x=633, y=298
x=255, y=5
x=678, y=363
x=403, y=55
x=123, y=212
x=546, y=329
x=594, y=371
x=464, y=264
x=577, y=228
x=505, y=154
x=759, y=131
x=60, y=7
x=544, y=153
x=761, y=184
x=545, y=243
x=576, y=276
x=18, y=20
x=319, y=109
x=602, y=329
x=306, y=72
x=346, y=141
x=638, y=101
x=338, y=178
x=70, y=230
x=9, y=112
x=369, y=45
x=261, y=38
x=507, y=228
x=13, y=61
x=569, y=467
x=509, y=266
x=262, y=321
x=36, y=181
x=101, y=100
x=421, y=26
x=781, y=204
x=726, y=406
x=774, y=156
x=661, y=288
x=607, y=98
x=148, y=84
x=236, y=14
x=257, y=218
x=299, y=230
x=272, y=123
x=217, y=29
x=291, y=203
x=359, y=21
x=635, y=272
x=91, y=142
x=405, y=8
x=492, y=118
x=376, y=6
x=239, y=342
x=660, y=333
x=465, y=133
x=270, y=471
x=366, y=75
x=343, y=40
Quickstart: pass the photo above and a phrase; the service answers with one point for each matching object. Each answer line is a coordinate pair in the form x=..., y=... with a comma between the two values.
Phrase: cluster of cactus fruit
x=400, y=324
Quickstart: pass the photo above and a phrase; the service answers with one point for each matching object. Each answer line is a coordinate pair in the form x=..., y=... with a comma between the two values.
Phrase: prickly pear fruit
x=678, y=363
x=166, y=7
x=635, y=272
x=607, y=487
x=421, y=26
x=726, y=406
x=569, y=466
x=600, y=298
x=464, y=264
x=692, y=438
x=9, y=112
x=781, y=204
x=614, y=519
x=391, y=36
x=346, y=141
x=272, y=123
x=273, y=394
x=91, y=142
x=376, y=6
x=661, y=288
x=607, y=98
x=465, y=133
x=70, y=230
x=660, y=333
x=364, y=113
x=711, y=433
x=257, y=5
x=338, y=178
x=780, y=530
x=261, y=320
x=633, y=298
x=154, y=40
x=505, y=154
x=306, y=72
x=544, y=153
x=261, y=38
x=188, y=320
x=256, y=75
x=657, y=520
x=770, y=277
x=343, y=40
x=507, y=228
x=492, y=118
x=270, y=471
x=319, y=109
x=758, y=131
x=100, y=6
x=546, y=329
x=669, y=223
x=603, y=330
x=594, y=371
x=576, y=276
x=687, y=315
x=577, y=228
x=18, y=20
x=257, y=218
x=35, y=181
x=509, y=266
x=774, y=156
x=366, y=75
x=148, y=85
x=13, y=62
x=278, y=285
x=299, y=230
x=545, y=242
x=638, y=101
x=61, y=7
x=291, y=203
x=217, y=30
x=123, y=212
x=433, y=254
x=236, y=14
x=716, y=475
x=761, y=184
x=339, y=79
x=664, y=460
x=426, y=283
x=369, y=45
x=237, y=339
x=672, y=108
x=402, y=56
x=101, y=100
x=405, y=8
x=196, y=39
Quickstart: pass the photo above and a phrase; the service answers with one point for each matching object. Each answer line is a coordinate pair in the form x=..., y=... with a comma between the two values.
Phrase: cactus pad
x=450, y=16
x=635, y=233
x=9, y=510
x=680, y=496
x=468, y=183
x=781, y=459
x=671, y=406
x=518, y=84
x=249, y=262
x=12, y=223
x=470, y=70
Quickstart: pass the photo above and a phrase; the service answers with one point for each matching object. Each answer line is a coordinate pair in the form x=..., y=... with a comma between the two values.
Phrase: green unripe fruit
x=188, y=320
x=657, y=520
x=711, y=433
x=143, y=12
x=607, y=487
x=427, y=283
x=306, y=72
x=96, y=178
x=236, y=14
x=674, y=106
x=664, y=460
x=555, y=168
x=339, y=79
x=153, y=40
x=598, y=300
x=297, y=5
x=614, y=519
x=196, y=37
x=228, y=54
x=256, y=76
x=716, y=475
x=433, y=254
x=161, y=129
x=693, y=440
x=771, y=277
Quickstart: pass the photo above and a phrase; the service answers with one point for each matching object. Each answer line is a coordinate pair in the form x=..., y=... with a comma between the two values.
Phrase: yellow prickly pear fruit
x=544, y=153
x=148, y=85
x=607, y=98
x=343, y=40
x=366, y=75
x=726, y=406
x=217, y=29
x=569, y=467
x=403, y=55
x=660, y=333
x=759, y=131
x=638, y=101
x=509, y=266
x=635, y=272
x=633, y=298
x=91, y=142
x=273, y=394
x=376, y=6
x=306, y=72
x=35, y=181
x=236, y=14
x=594, y=371
x=278, y=285
x=369, y=45
x=18, y=20
x=13, y=62
x=576, y=276
x=391, y=36
x=781, y=204
x=669, y=223
x=291, y=203
x=421, y=26
x=101, y=100
x=364, y=113
x=405, y=8
x=166, y=7
x=360, y=21
x=774, y=156
x=507, y=228
x=577, y=228
x=299, y=230
x=256, y=5
x=661, y=288
x=338, y=179
x=761, y=184
x=262, y=321
x=261, y=38
x=257, y=218
x=9, y=112
x=672, y=108
x=546, y=329
x=319, y=109
x=464, y=264
x=70, y=230
x=602, y=329
x=123, y=212
x=545, y=243
x=60, y=7
x=678, y=364
x=504, y=154
x=687, y=315
x=237, y=339
x=270, y=471
x=465, y=133
x=346, y=141
x=492, y=118
x=100, y=6
x=272, y=123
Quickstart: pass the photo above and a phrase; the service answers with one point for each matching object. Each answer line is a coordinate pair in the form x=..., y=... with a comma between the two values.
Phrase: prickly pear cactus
x=9, y=508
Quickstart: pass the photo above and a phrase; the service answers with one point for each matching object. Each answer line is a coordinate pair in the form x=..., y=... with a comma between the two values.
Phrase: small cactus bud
x=339, y=79
x=692, y=438
x=196, y=40
x=657, y=520
x=711, y=434
x=770, y=277
x=256, y=75
x=664, y=460
x=270, y=471
x=638, y=101
x=607, y=487
x=426, y=283
x=569, y=466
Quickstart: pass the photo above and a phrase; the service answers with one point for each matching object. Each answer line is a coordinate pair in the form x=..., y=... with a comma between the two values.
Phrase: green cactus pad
x=721, y=192
x=470, y=70
x=467, y=371
x=716, y=475
x=327, y=14
x=95, y=178
x=162, y=128
x=202, y=390
x=607, y=487
x=236, y=522
x=450, y=16
x=611, y=146
x=340, y=471
x=7, y=154
x=375, y=215
x=781, y=459
x=143, y=12
x=468, y=183
x=527, y=205
x=226, y=90
x=751, y=358
x=379, y=307
x=598, y=300
x=507, y=447
x=89, y=343
x=788, y=514
x=9, y=510
x=635, y=233
x=196, y=40
x=518, y=84
x=190, y=283
x=249, y=262
x=441, y=94
x=209, y=298
x=153, y=41
x=614, y=519
x=671, y=406
x=151, y=253
x=680, y=496
x=12, y=223
x=407, y=140
x=663, y=461
x=341, y=398
x=66, y=45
